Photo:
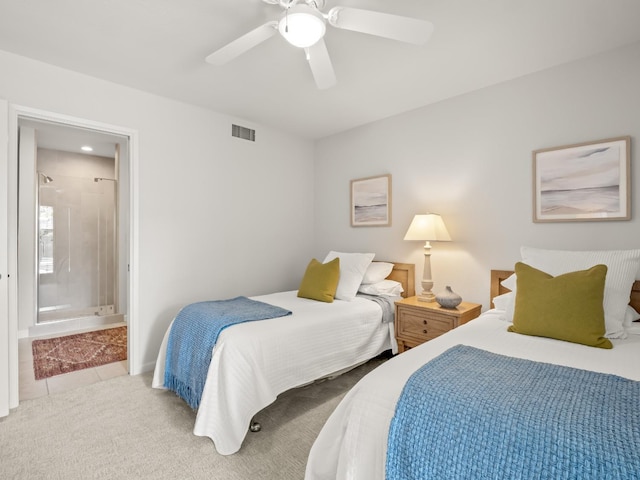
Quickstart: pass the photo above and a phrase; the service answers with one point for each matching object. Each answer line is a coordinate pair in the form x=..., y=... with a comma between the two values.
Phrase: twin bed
x=476, y=418
x=254, y=362
x=478, y=402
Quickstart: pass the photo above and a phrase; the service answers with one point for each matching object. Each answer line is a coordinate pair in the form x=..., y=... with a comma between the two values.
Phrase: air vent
x=243, y=132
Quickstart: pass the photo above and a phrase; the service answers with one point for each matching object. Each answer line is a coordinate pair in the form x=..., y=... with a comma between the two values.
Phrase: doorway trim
x=4, y=261
x=15, y=113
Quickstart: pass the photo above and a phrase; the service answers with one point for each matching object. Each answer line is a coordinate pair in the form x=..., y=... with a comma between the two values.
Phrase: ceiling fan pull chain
x=286, y=4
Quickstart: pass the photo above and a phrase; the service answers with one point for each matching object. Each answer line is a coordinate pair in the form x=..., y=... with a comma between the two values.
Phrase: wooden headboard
x=497, y=288
x=498, y=276
x=405, y=273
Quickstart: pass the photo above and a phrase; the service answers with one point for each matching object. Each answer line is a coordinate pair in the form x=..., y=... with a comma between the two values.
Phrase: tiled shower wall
x=77, y=235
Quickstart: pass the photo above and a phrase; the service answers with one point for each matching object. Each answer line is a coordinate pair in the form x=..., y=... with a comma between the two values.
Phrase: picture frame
x=587, y=181
x=371, y=201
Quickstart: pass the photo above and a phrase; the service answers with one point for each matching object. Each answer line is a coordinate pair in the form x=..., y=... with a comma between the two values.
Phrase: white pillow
x=501, y=302
x=622, y=268
x=506, y=303
x=389, y=288
x=509, y=282
x=630, y=317
x=352, y=269
x=377, y=272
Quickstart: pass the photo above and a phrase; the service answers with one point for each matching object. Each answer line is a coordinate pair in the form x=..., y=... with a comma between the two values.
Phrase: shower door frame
x=17, y=112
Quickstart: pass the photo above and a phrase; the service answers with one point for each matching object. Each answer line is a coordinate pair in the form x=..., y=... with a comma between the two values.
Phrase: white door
x=4, y=255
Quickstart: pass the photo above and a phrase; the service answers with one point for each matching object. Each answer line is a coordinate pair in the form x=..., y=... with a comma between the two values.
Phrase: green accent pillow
x=568, y=307
x=320, y=280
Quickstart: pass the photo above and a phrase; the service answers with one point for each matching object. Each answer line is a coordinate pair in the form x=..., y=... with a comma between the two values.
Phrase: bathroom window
x=45, y=253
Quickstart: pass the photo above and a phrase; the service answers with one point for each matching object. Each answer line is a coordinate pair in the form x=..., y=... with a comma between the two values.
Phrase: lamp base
x=427, y=297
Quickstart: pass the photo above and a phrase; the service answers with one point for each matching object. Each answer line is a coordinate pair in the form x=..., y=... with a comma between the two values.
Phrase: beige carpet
x=124, y=429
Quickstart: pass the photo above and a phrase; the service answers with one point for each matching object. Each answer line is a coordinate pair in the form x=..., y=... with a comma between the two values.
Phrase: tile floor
x=30, y=388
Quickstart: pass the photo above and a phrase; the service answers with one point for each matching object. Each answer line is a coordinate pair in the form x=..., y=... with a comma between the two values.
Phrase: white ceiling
x=71, y=139
x=159, y=46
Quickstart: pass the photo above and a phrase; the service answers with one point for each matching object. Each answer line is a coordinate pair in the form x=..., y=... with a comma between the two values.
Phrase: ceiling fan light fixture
x=302, y=26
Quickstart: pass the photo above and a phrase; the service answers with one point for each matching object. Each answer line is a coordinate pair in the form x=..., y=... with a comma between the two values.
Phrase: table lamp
x=427, y=227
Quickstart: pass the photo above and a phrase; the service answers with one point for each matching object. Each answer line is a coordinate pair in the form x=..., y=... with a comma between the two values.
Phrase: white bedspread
x=254, y=362
x=353, y=443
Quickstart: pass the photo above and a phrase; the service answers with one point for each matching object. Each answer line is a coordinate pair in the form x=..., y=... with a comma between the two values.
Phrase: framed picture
x=583, y=182
x=371, y=202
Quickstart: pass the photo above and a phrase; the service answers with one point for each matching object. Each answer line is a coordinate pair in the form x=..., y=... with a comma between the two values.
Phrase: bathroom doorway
x=73, y=229
x=20, y=212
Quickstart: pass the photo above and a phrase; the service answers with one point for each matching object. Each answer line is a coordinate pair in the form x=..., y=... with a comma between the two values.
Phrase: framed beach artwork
x=371, y=201
x=583, y=182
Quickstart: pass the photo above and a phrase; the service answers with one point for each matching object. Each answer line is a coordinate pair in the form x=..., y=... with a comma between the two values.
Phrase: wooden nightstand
x=417, y=322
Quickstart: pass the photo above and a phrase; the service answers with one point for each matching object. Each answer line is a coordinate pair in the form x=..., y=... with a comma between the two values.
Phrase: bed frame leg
x=254, y=426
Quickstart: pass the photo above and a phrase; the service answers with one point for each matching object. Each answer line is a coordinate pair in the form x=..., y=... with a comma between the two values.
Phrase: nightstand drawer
x=415, y=324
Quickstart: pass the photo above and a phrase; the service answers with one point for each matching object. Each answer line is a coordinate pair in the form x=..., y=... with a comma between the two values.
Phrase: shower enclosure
x=77, y=240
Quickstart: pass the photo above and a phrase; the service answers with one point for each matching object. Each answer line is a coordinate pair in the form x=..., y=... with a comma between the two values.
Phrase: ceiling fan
x=303, y=24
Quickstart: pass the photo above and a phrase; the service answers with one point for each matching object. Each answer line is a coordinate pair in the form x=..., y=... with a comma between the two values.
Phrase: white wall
x=470, y=159
x=218, y=216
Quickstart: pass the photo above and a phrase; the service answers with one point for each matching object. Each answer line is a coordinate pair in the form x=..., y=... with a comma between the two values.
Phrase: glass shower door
x=77, y=248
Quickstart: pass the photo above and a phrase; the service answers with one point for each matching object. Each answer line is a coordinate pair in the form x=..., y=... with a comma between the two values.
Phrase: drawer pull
x=424, y=331
x=424, y=322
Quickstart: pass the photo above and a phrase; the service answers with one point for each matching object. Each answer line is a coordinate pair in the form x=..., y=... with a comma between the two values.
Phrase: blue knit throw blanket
x=472, y=414
x=193, y=334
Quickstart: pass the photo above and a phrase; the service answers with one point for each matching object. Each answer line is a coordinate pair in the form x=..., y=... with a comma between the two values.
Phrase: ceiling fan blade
x=242, y=44
x=320, y=63
x=395, y=27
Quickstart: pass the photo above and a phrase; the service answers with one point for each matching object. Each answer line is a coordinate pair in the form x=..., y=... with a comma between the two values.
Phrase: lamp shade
x=302, y=26
x=428, y=227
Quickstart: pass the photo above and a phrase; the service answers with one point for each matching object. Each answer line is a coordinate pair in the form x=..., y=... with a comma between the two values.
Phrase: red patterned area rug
x=54, y=356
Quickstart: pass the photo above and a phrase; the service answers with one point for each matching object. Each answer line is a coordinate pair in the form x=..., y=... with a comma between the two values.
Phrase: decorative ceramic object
x=448, y=298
